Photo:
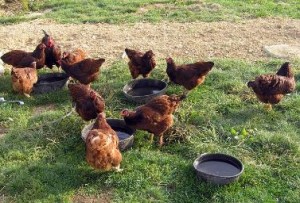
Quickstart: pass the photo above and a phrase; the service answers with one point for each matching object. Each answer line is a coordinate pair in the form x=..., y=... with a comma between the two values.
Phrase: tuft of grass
x=44, y=161
x=109, y=11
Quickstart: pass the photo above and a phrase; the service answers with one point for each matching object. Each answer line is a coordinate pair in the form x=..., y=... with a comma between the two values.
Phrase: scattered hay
x=198, y=40
x=103, y=197
x=179, y=133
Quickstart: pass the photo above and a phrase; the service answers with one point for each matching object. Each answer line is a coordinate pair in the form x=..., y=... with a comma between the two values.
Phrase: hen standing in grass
x=85, y=71
x=188, y=75
x=52, y=51
x=139, y=63
x=155, y=116
x=102, y=146
x=270, y=89
x=23, y=79
x=1, y=66
x=88, y=103
x=23, y=59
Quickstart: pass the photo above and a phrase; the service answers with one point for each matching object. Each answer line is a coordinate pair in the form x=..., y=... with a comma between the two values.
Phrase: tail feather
x=45, y=33
x=251, y=84
x=177, y=98
x=99, y=61
x=284, y=70
x=210, y=64
x=130, y=52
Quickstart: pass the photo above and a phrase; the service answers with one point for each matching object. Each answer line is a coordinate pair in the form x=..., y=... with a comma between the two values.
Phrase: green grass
x=42, y=161
x=109, y=11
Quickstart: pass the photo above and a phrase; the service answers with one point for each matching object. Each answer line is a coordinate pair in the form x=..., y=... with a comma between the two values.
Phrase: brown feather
x=23, y=79
x=140, y=63
x=155, y=116
x=272, y=88
x=88, y=103
x=102, y=142
x=188, y=75
x=85, y=71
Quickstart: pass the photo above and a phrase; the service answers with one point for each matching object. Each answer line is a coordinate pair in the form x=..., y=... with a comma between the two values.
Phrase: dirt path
x=199, y=40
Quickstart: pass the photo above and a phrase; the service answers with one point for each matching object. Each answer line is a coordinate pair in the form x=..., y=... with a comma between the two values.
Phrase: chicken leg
x=185, y=93
x=117, y=168
x=151, y=138
x=268, y=107
x=161, y=140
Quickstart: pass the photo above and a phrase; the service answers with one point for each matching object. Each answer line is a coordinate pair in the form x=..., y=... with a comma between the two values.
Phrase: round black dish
x=143, y=90
x=218, y=168
x=124, y=132
x=50, y=82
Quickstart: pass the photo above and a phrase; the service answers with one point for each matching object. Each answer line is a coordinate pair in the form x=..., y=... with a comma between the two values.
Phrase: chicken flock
x=155, y=117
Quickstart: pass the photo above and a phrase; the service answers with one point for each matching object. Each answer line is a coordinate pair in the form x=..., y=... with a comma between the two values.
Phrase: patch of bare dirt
x=196, y=6
x=199, y=40
x=10, y=7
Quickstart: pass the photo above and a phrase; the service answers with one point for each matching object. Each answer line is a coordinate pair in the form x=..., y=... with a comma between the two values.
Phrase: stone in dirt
x=283, y=51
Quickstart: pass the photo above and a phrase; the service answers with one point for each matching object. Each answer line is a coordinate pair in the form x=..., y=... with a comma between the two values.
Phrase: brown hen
x=270, y=89
x=23, y=79
x=74, y=56
x=102, y=146
x=155, y=116
x=88, y=103
x=23, y=59
x=85, y=71
x=140, y=63
x=188, y=75
x=52, y=51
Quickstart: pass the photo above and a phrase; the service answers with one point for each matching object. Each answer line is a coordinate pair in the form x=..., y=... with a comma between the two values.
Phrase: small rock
x=283, y=51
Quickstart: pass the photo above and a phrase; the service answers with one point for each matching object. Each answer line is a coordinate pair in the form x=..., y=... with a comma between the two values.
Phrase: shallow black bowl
x=143, y=90
x=50, y=82
x=218, y=169
x=124, y=132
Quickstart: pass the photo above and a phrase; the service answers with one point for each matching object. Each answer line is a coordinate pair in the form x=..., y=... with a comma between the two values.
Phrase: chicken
x=23, y=79
x=139, y=63
x=270, y=88
x=88, y=103
x=102, y=146
x=52, y=51
x=74, y=56
x=155, y=116
x=188, y=75
x=23, y=59
x=1, y=66
x=85, y=71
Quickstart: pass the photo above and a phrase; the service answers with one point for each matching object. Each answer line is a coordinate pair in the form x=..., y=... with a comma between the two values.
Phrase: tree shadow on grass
x=46, y=166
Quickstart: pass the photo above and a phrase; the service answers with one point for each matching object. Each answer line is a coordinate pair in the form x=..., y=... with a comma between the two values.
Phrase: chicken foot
x=268, y=107
x=151, y=138
x=117, y=168
x=185, y=92
x=26, y=95
x=161, y=140
x=166, y=79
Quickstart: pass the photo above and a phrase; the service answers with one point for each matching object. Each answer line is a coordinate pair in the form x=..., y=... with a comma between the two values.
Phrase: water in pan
x=122, y=135
x=218, y=168
x=121, y=132
x=143, y=91
x=50, y=79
